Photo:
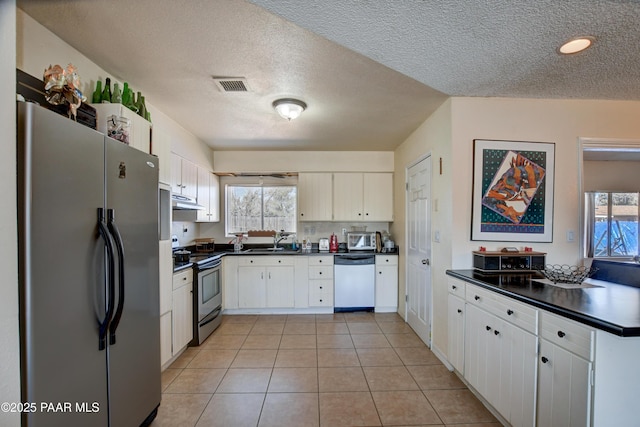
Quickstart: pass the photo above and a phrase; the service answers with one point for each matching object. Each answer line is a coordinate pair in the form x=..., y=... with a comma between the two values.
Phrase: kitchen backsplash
x=311, y=230
x=186, y=232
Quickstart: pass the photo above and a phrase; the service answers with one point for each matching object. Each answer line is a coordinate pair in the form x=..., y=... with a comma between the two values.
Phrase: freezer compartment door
x=61, y=261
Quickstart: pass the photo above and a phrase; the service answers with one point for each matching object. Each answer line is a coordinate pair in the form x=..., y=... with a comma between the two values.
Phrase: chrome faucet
x=279, y=237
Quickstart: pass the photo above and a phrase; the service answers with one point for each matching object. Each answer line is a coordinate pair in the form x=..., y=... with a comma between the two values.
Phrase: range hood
x=180, y=202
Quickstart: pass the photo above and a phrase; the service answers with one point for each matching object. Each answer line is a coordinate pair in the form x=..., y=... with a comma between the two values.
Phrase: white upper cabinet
x=184, y=176
x=363, y=196
x=208, y=196
x=315, y=197
x=377, y=198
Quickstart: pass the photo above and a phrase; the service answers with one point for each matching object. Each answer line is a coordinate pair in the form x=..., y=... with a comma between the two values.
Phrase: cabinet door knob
x=320, y=261
x=561, y=334
x=379, y=272
x=488, y=327
x=509, y=312
x=544, y=359
x=496, y=332
x=459, y=311
x=301, y=214
x=320, y=287
x=320, y=300
x=320, y=273
x=476, y=297
x=454, y=287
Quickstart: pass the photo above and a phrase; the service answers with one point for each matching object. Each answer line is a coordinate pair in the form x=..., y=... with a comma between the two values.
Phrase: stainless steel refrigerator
x=88, y=259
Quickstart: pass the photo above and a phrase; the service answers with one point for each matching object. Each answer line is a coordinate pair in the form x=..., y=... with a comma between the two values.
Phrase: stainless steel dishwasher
x=354, y=282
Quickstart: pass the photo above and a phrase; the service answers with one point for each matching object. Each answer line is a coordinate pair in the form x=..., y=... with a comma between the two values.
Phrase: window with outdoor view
x=260, y=208
x=611, y=224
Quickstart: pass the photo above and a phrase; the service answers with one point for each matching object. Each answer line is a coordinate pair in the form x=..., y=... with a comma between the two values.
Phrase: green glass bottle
x=106, y=92
x=143, y=108
x=125, y=94
x=116, y=96
x=131, y=101
x=97, y=94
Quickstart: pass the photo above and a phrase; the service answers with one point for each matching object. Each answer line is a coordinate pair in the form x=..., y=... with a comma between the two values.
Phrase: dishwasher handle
x=354, y=259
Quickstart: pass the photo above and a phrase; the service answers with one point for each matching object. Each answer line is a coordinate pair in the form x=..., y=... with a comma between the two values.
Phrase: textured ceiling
x=371, y=72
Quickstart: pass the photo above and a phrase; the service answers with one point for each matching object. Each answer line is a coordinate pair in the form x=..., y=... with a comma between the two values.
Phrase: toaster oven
x=361, y=241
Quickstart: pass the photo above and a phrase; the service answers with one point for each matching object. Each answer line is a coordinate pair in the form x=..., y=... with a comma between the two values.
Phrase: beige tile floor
x=352, y=369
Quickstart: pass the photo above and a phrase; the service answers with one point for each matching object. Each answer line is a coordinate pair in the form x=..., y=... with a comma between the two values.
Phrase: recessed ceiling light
x=575, y=45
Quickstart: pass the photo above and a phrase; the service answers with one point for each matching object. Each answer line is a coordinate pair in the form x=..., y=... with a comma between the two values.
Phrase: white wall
x=558, y=121
x=618, y=176
x=9, y=327
x=431, y=138
x=37, y=48
x=304, y=161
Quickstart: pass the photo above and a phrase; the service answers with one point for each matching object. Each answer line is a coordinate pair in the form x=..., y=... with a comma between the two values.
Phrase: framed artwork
x=512, y=191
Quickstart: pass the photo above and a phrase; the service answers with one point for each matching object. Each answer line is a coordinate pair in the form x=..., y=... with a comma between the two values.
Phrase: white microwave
x=361, y=241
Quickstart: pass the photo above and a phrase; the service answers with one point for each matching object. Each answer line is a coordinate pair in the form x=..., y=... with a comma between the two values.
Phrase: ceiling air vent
x=232, y=84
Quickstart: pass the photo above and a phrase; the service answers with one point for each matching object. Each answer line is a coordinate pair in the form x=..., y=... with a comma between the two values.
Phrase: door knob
x=426, y=261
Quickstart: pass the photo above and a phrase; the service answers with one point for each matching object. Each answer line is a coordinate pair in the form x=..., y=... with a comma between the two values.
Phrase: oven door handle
x=210, y=317
x=104, y=325
x=113, y=228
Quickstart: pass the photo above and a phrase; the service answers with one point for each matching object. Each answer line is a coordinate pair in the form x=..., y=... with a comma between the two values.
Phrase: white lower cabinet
x=266, y=282
x=565, y=365
x=386, y=299
x=165, y=338
x=499, y=357
x=182, y=310
x=321, y=281
x=456, y=316
x=564, y=387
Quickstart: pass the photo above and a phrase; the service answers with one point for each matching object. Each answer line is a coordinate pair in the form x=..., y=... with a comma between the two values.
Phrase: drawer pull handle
x=320, y=261
x=184, y=278
x=379, y=272
x=320, y=300
x=477, y=297
x=561, y=334
x=459, y=311
x=320, y=273
x=454, y=287
x=320, y=287
x=509, y=312
x=544, y=359
x=488, y=327
x=496, y=332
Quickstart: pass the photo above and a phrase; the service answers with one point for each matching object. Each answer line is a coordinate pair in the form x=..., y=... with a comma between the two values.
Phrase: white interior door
x=419, y=249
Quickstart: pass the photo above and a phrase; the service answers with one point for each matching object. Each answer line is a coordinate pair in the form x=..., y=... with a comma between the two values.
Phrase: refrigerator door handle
x=113, y=228
x=104, y=325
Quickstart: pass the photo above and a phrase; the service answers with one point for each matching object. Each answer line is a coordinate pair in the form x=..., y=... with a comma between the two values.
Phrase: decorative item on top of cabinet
x=139, y=132
x=184, y=177
x=386, y=283
x=315, y=196
x=208, y=196
x=363, y=196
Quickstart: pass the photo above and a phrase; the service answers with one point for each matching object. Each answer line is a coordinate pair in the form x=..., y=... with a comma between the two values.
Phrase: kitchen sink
x=278, y=250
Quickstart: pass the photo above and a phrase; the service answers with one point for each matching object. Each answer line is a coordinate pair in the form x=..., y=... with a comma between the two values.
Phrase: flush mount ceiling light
x=575, y=45
x=289, y=108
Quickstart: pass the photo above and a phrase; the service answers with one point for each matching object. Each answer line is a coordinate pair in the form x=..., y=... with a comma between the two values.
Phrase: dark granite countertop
x=608, y=306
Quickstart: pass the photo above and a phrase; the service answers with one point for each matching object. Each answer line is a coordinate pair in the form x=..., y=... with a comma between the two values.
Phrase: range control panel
x=508, y=261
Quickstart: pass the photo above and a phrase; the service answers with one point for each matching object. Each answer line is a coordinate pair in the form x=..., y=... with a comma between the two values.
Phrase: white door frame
x=406, y=237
